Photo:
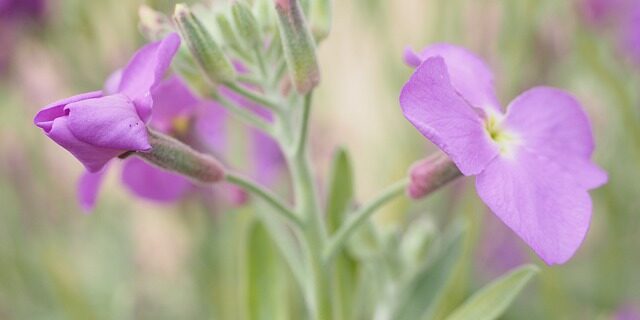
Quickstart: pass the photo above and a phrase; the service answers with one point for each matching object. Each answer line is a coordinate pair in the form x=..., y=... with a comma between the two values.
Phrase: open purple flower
x=532, y=162
x=98, y=126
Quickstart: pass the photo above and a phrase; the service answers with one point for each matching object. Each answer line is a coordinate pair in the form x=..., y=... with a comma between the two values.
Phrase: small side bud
x=153, y=25
x=431, y=173
x=298, y=46
x=320, y=18
x=205, y=50
x=246, y=24
x=173, y=155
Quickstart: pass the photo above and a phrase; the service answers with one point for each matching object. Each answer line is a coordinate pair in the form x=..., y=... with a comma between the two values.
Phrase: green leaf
x=492, y=300
x=422, y=293
x=266, y=284
x=339, y=200
x=340, y=189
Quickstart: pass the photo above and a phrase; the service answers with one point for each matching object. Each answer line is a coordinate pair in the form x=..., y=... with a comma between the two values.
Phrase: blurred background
x=135, y=259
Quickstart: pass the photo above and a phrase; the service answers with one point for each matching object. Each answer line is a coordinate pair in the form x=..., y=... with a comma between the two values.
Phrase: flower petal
x=92, y=157
x=432, y=105
x=552, y=124
x=145, y=70
x=152, y=183
x=44, y=118
x=172, y=99
x=89, y=187
x=211, y=126
x=470, y=76
x=108, y=122
x=112, y=83
x=539, y=201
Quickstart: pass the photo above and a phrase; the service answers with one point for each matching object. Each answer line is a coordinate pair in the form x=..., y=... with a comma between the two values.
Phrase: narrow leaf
x=492, y=300
x=424, y=291
x=340, y=193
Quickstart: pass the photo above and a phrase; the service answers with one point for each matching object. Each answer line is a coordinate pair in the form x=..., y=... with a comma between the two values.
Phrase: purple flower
x=30, y=9
x=532, y=162
x=15, y=15
x=174, y=108
x=98, y=126
x=630, y=33
x=623, y=16
x=628, y=311
x=178, y=112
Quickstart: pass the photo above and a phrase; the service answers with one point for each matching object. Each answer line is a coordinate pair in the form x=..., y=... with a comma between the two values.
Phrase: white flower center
x=506, y=139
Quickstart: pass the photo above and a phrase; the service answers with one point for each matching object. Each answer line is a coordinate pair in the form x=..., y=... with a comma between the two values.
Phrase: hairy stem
x=265, y=195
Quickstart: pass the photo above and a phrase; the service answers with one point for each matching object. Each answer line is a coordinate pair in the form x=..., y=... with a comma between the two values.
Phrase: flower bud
x=153, y=25
x=173, y=155
x=226, y=30
x=265, y=15
x=246, y=24
x=298, y=45
x=204, y=49
x=320, y=19
x=431, y=173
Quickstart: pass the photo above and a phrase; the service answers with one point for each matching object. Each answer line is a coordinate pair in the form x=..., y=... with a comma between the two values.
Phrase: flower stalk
x=173, y=155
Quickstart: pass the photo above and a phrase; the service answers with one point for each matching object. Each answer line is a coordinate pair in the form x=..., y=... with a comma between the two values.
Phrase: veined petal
x=45, y=117
x=89, y=187
x=145, y=70
x=552, y=124
x=433, y=106
x=108, y=122
x=470, y=76
x=152, y=183
x=92, y=157
x=539, y=201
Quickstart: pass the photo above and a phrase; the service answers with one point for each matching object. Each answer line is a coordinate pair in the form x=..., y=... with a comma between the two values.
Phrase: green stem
x=261, y=64
x=314, y=234
x=359, y=217
x=253, y=96
x=265, y=195
x=301, y=144
x=245, y=115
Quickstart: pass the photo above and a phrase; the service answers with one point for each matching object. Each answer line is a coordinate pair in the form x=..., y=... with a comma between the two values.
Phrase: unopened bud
x=265, y=15
x=320, y=18
x=153, y=25
x=227, y=32
x=205, y=50
x=431, y=173
x=246, y=24
x=173, y=155
x=298, y=46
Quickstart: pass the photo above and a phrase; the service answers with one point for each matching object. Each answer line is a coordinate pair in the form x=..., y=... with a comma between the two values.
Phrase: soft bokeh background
x=133, y=259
